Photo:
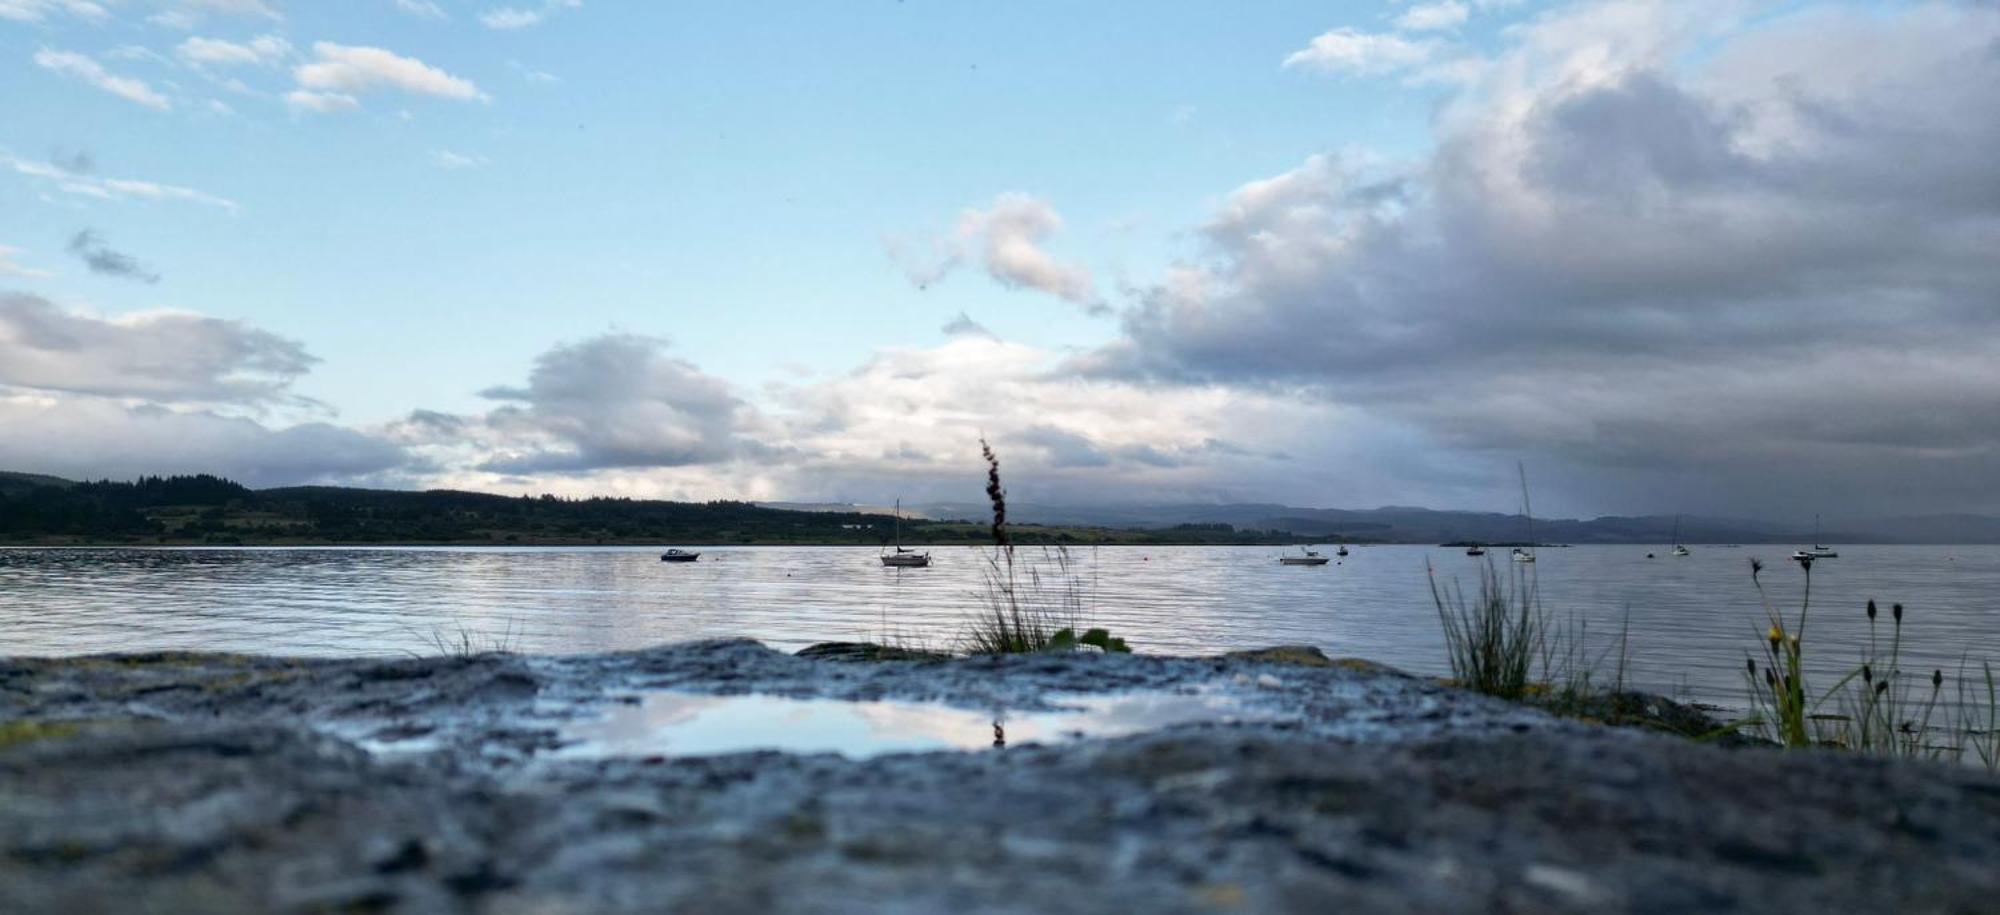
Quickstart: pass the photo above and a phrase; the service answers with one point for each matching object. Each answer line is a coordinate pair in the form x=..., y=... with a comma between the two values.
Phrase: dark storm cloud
x=102, y=259
x=617, y=400
x=1723, y=276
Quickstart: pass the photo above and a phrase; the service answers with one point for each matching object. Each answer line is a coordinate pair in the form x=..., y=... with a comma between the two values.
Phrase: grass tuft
x=1025, y=610
x=1494, y=640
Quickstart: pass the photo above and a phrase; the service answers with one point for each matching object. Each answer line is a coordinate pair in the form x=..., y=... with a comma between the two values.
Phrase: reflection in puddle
x=685, y=724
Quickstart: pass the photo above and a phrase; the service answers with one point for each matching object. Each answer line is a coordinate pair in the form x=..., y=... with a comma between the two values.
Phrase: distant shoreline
x=1024, y=543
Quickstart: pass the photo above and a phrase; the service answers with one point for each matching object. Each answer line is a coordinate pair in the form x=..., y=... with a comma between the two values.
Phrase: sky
x=1729, y=257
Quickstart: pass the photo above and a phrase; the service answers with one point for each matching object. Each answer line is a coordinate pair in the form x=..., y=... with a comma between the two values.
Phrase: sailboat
x=1525, y=555
x=904, y=558
x=1678, y=550
x=1819, y=550
x=1311, y=558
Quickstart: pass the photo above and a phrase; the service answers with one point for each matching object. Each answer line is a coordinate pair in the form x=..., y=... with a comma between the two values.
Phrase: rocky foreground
x=222, y=783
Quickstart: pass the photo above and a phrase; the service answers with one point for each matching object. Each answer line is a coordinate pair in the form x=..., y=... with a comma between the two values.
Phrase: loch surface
x=1690, y=620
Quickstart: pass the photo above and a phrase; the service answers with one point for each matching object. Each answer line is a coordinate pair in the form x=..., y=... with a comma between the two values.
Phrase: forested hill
x=205, y=509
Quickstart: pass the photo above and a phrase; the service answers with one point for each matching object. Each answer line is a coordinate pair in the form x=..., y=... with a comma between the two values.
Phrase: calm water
x=1691, y=619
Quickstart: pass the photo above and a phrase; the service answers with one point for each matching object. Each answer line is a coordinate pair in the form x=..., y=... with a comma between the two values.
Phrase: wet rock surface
x=224, y=783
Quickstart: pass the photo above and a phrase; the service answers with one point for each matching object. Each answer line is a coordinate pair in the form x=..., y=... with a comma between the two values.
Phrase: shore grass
x=1494, y=639
x=1028, y=606
x=1877, y=707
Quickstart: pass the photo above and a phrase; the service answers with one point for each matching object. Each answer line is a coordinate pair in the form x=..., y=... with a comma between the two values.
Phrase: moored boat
x=904, y=558
x=1309, y=559
x=1819, y=550
x=677, y=555
x=1527, y=516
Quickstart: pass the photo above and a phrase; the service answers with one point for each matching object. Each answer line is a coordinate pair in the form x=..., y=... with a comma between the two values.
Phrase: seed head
x=1774, y=637
x=1867, y=674
x=1750, y=664
x=1881, y=687
x=1937, y=679
x=1871, y=608
x=1897, y=612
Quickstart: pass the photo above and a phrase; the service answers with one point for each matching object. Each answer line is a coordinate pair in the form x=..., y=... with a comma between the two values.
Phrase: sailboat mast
x=1527, y=512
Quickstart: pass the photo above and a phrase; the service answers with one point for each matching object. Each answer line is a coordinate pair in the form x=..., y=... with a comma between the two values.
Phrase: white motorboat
x=1309, y=559
x=1475, y=550
x=1678, y=549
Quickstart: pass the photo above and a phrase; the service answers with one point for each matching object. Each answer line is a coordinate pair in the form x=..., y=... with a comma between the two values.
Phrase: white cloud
x=446, y=159
x=422, y=9
x=533, y=75
x=85, y=395
x=320, y=102
x=1424, y=17
x=346, y=71
x=91, y=438
x=1754, y=276
x=1007, y=239
x=619, y=415
x=117, y=189
x=164, y=357
x=264, y=50
x=10, y=265
x=615, y=401
x=513, y=17
x=234, y=7
x=38, y=10
x=80, y=67
x=1345, y=50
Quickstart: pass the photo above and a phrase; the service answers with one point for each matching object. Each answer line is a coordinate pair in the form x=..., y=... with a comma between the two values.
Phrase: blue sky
x=707, y=172
x=1323, y=253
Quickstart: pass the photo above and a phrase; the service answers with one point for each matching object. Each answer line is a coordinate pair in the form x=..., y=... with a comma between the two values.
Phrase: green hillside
x=205, y=509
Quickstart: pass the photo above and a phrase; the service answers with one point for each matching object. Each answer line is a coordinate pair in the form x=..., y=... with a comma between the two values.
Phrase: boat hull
x=906, y=562
x=1302, y=561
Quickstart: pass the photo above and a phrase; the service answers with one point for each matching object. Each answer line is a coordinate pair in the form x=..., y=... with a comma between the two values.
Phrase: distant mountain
x=38, y=508
x=1404, y=524
x=209, y=510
